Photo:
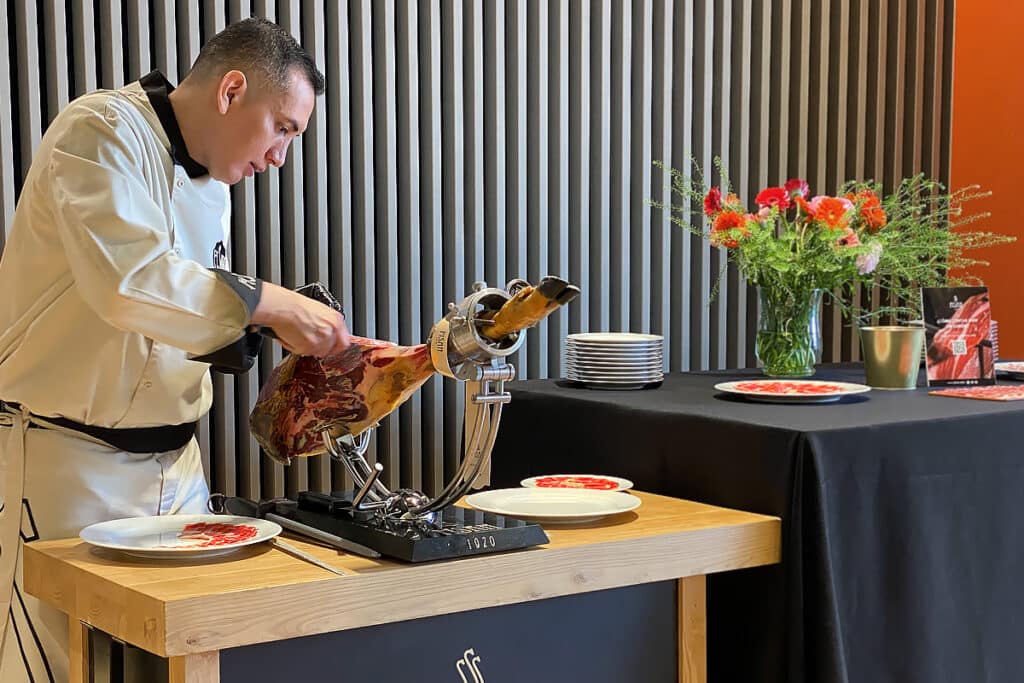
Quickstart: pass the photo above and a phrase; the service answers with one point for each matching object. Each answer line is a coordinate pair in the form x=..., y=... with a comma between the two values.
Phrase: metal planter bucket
x=892, y=355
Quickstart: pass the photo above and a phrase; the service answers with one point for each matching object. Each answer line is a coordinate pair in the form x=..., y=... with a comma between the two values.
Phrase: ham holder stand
x=406, y=524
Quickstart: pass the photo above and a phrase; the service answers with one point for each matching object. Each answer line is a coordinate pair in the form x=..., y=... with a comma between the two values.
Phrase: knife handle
x=235, y=505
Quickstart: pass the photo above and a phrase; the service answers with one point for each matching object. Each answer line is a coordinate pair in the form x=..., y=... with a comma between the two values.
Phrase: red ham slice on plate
x=207, y=535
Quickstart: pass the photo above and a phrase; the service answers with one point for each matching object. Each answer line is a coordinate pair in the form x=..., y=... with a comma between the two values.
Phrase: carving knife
x=303, y=555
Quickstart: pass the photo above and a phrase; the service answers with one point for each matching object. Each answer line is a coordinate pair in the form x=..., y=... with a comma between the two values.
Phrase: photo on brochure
x=958, y=337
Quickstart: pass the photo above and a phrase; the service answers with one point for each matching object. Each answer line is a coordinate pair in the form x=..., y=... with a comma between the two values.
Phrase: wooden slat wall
x=462, y=141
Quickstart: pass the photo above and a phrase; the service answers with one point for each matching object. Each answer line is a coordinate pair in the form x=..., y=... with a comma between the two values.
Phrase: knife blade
x=303, y=555
x=234, y=505
x=324, y=537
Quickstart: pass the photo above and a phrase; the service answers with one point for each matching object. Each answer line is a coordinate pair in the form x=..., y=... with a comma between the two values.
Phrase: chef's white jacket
x=105, y=278
x=105, y=290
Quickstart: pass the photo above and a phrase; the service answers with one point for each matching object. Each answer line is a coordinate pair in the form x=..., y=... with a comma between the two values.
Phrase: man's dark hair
x=258, y=47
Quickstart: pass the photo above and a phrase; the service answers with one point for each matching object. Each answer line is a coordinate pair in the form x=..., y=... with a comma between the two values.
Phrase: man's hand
x=302, y=325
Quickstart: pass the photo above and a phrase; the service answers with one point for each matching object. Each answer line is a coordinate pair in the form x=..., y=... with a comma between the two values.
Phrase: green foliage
x=924, y=242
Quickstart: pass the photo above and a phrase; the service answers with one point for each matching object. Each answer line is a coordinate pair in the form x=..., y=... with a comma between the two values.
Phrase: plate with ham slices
x=553, y=506
x=791, y=390
x=179, y=536
x=592, y=482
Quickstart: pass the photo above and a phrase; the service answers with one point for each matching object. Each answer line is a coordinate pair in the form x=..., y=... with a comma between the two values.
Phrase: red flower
x=712, y=202
x=773, y=196
x=726, y=221
x=797, y=188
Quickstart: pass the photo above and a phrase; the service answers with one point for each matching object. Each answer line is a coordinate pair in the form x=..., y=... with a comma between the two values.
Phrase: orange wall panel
x=988, y=146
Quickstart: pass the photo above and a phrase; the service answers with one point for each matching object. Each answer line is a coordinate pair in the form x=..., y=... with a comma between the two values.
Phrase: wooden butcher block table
x=623, y=596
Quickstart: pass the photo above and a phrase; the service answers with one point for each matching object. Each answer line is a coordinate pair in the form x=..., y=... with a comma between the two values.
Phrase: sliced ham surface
x=344, y=393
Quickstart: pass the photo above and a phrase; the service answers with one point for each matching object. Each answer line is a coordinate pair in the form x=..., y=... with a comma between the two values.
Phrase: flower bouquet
x=797, y=248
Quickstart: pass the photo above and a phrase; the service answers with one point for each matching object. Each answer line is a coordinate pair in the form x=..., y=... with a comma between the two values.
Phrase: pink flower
x=867, y=262
x=849, y=239
x=795, y=186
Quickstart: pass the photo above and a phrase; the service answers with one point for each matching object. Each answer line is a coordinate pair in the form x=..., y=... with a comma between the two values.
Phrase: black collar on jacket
x=159, y=90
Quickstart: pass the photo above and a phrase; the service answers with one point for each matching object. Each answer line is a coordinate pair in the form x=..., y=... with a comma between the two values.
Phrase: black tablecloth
x=903, y=529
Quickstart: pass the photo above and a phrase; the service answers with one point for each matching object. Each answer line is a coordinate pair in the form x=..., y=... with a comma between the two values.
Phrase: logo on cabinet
x=469, y=664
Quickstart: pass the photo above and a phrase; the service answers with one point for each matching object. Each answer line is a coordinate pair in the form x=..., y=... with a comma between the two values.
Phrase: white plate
x=616, y=386
x=1011, y=368
x=586, y=482
x=606, y=351
x=615, y=359
x=611, y=381
x=600, y=375
x=616, y=366
x=614, y=338
x=159, y=536
x=615, y=347
x=619, y=367
x=789, y=390
x=650, y=367
x=553, y=505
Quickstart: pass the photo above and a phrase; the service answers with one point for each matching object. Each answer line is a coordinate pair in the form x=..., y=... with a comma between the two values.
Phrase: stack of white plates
x=614, y=360
x=994, y=336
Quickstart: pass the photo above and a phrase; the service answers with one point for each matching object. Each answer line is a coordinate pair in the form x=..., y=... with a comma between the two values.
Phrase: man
x=117, y=298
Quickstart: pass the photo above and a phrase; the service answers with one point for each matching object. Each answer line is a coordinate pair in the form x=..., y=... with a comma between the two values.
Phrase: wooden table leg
x=200, y=668
x=78, y=651
x=693, y=630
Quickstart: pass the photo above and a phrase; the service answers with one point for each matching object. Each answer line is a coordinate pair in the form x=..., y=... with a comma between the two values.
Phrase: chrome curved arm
x=490, y=396
x=457, y=351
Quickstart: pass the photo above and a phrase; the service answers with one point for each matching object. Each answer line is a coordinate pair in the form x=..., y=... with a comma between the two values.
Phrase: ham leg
x=348, y=392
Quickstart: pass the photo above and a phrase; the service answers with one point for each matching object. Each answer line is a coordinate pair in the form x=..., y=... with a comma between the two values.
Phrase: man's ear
x=230, y=90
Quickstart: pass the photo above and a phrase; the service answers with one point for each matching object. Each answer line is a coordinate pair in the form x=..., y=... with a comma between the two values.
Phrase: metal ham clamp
x=408, y=524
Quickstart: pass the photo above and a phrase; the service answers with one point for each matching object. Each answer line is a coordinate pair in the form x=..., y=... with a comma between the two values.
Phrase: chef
x=118, y=297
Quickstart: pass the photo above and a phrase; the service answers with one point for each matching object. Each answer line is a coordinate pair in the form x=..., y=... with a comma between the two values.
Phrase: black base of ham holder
x=329, y=519
x=454, y=532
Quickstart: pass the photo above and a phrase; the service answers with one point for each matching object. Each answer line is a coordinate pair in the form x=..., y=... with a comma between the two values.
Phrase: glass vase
x=788, y=332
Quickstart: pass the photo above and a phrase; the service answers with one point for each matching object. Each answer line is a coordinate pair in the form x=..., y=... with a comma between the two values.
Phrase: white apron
x=66, y=482
x=107, y=289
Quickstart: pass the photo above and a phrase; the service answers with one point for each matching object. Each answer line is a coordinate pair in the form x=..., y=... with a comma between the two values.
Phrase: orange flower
x=726, y=221
x=804, y=206
x=871, y=210
x=831, y=211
